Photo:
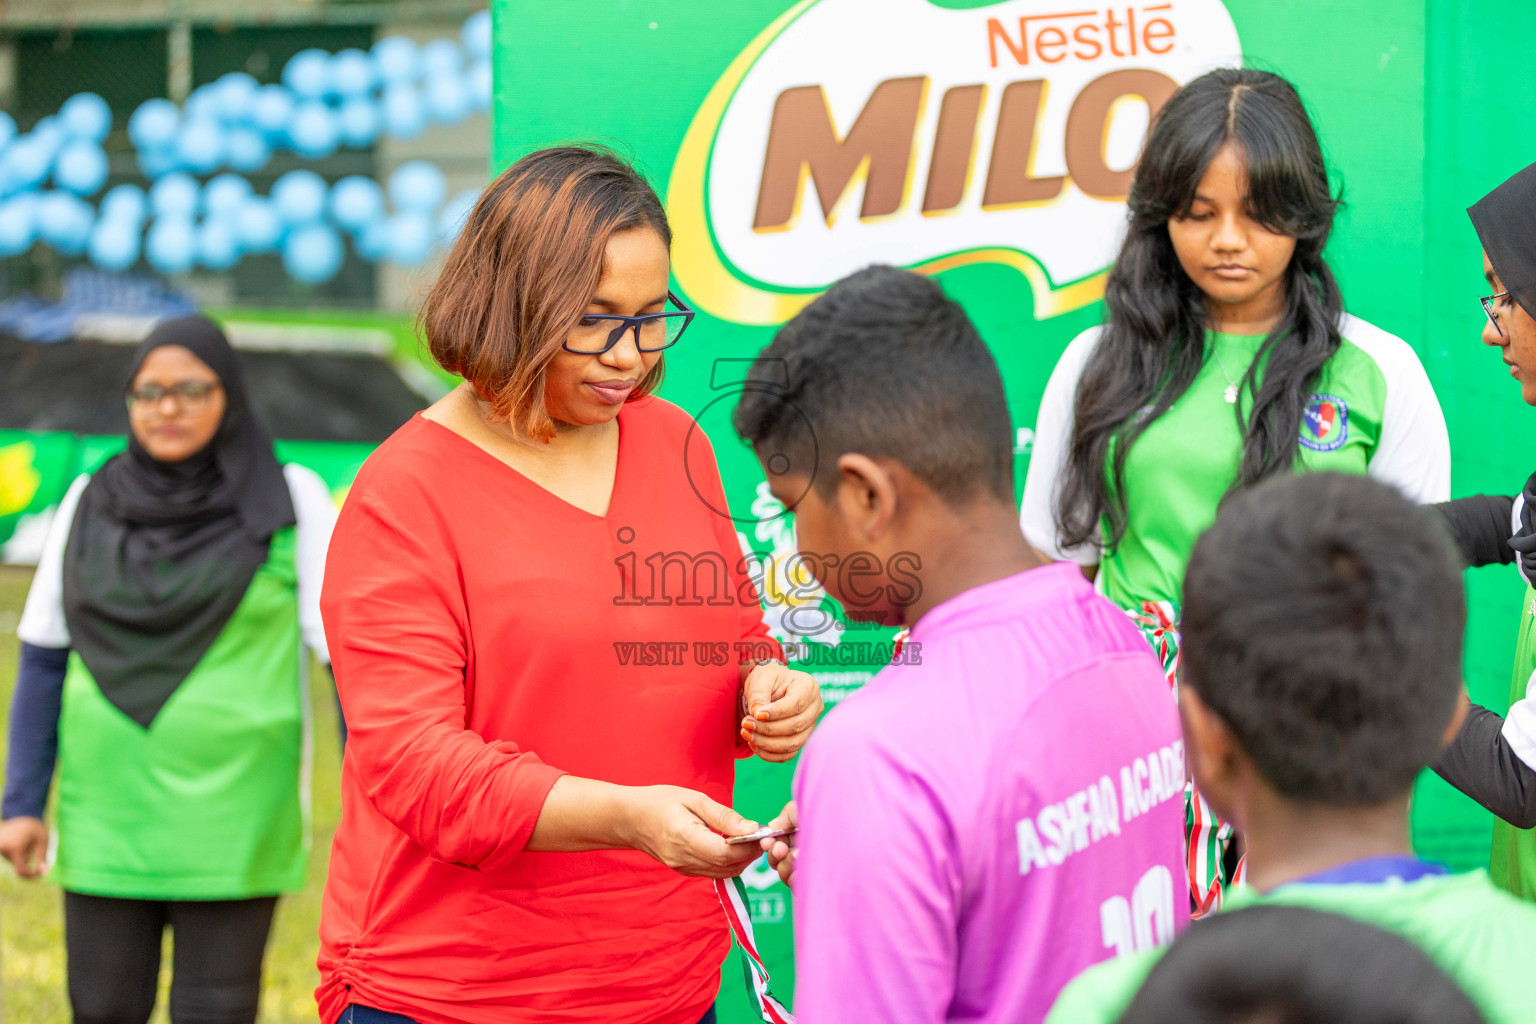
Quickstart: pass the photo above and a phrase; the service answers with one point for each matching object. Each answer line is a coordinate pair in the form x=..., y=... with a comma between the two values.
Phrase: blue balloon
x=50, y=129
x=372, y=243
x=124, y=202
x=200, y=144
x=478, y=82
x=203, y=103
x=225, y=195
x=174, y=197
x=404, y=115
x=398, y=59
x=86, y=115
x=475, y=35
x=353, y=72
x=81, y=167
x=312, y=254
x=7, y=128
x=114, y=244
x=246, y=149
x=417, y=185
x=308, y=73
x=358, y=120
x=455, y=212
x=270, y=109
x=218, y=245
x=154, y=124
x=447, y=98
x=312, y=130
x=356, y=202
x=27, y=162
x=441, y=57
x=299, y=197
x=160, y=160
x=171, y=245
x=410, y=238
x=258, y=225
x=64, y=221
x=18, y=224
x=234, y=93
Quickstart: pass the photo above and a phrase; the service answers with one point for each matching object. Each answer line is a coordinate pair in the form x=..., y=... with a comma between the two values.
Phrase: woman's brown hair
x=523, y=270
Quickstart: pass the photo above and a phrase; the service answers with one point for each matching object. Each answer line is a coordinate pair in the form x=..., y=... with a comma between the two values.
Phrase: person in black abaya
x=1493, y=758
x=162, y=674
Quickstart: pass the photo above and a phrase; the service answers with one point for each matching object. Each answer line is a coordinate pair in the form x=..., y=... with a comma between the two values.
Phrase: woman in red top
x=533, y=612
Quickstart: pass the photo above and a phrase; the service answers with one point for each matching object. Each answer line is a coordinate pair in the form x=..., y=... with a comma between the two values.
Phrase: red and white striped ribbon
x=733, y=898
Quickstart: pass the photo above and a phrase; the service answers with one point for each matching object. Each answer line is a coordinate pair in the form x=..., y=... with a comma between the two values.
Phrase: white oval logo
x=929, y=137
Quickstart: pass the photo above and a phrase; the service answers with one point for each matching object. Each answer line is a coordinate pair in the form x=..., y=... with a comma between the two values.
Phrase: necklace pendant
x=1230, y=394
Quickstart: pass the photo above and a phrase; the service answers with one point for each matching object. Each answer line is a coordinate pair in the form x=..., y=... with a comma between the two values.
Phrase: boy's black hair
x=883, y=364
x=1323, y=619
x=1291, y=965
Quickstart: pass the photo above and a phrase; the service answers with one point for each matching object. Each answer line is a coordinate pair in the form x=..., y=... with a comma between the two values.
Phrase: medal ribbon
x=733, y=898
x=1206, y=836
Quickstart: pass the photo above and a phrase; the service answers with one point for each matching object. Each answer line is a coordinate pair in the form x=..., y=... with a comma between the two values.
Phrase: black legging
x=113, y=946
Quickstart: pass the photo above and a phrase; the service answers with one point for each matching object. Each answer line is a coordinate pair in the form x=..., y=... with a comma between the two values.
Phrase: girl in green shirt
x=1225, y=357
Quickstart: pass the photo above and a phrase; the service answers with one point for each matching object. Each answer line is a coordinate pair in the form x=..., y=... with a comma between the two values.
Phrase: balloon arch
x=230, y=128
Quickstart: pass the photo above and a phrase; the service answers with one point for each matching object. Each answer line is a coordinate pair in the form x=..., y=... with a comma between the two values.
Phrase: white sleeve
x=1048, y=454
x=316, y=514
x=1414, y=451
x=42, y=617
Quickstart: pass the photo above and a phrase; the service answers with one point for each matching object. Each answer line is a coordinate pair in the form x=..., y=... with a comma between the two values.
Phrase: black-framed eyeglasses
x=1488, y=301
x=190, y=397
x=595, y=334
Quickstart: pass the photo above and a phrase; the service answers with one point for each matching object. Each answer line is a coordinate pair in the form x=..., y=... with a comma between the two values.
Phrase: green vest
x=1514, y=849
x=211, y=801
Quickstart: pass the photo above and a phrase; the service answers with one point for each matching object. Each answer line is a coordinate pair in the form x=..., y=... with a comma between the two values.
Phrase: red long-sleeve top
x=482, y=630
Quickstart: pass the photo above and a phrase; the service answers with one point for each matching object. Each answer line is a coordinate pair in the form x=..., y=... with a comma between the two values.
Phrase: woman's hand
x=686, y=831
x=781, y=707
x=781, y=851
x=24, y=842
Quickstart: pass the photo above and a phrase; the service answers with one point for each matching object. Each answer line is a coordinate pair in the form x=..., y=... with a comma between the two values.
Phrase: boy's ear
x=1458, y=718
x=1211, y=751
x=866, y=496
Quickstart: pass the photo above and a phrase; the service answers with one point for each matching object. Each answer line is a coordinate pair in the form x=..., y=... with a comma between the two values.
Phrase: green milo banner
x=990, y=143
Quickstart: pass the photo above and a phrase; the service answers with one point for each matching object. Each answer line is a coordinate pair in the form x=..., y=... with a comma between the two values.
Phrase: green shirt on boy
x=1480, y=935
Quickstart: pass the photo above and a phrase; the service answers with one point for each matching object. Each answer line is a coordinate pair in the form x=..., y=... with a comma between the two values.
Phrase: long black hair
x=1153, y=342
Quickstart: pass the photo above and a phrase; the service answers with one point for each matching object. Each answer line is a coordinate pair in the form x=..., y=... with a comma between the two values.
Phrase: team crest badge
x=1324, y=423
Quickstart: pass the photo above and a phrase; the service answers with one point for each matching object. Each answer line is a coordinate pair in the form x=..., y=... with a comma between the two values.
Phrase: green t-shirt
x=1480, y=935
x=209, y=802
x=1514, y=849
x=1372, y=411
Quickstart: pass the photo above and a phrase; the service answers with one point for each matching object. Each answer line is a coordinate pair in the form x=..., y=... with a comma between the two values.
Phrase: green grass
x=32, y=982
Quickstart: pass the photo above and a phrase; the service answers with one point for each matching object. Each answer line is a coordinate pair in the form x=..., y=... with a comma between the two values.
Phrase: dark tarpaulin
x=77, y=386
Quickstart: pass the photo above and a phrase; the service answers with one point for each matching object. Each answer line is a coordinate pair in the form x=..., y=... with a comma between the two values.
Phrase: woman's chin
x=1528, y=391
x=585, y=414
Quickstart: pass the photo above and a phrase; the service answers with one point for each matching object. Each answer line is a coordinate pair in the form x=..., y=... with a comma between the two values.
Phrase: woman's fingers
x=793, y=726
x=800, y=692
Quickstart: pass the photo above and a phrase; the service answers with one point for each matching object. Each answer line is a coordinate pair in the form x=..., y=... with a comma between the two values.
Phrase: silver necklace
x=1230, y=394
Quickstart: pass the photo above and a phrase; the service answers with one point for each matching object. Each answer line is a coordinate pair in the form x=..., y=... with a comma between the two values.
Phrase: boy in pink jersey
x=1002, y=807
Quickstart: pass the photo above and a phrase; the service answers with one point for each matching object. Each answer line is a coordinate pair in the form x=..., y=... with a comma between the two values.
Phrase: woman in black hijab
x=1493, y=759
x=162, y=670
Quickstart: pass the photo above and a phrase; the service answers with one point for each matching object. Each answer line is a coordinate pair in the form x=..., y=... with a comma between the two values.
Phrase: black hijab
x=160, y=553
x=1505, y=220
